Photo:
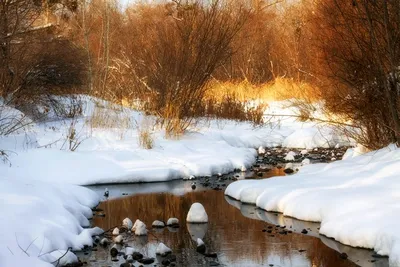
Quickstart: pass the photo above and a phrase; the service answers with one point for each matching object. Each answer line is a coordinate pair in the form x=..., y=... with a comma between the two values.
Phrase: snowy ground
x=114, y=156
x=40, y=221
x=357, y=200
x=43, y=211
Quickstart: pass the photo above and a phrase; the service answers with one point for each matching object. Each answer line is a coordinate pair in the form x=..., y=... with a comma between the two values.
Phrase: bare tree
x=360, y=55
x=171, y=52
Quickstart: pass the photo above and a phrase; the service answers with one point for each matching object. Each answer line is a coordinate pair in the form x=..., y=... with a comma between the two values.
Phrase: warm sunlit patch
x=279, y=89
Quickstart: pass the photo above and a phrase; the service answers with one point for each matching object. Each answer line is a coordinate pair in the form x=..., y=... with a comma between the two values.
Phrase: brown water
x=234, y=232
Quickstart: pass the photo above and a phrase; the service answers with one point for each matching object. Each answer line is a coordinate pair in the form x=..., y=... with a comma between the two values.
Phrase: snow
x=129, y=250
x=43, y=219
x=172, y=221
x=197, y=214
x=199, y=242
x=290, y=156
x=39, y=174
x=162, y=249
x=139, y=228
x=306, y=161
x=119, y=239
x=113, y=155
x=127, y=223
x=356, y=200
x=115, y=231
x=158, y=224
x=289, y=166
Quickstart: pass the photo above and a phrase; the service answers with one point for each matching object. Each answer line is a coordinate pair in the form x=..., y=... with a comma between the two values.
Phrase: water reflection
x=237, y=239
x=362, y=257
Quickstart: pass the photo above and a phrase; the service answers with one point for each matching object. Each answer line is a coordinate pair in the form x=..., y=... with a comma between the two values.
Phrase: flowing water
x=237, y=233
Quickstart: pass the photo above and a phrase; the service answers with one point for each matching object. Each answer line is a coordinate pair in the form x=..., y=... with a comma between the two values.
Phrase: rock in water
x=97, y=239
x=193, y=186
x=158, y=224
x=344, y=256
x=127, y=223
x=197, y=214
x=106, y=192
x=201, y=247
x=261, y=150
x=105, y=242
x=139, y=228
x=137, y=256
x=173, y=222
x=119, y=239
x=163, y=250
x=146, y=261
x=115, y=231
x=129, y=258
x=114, y=252
x=289, y=168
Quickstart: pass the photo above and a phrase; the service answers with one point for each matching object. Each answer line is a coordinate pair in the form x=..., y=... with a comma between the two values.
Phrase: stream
x=239, y=234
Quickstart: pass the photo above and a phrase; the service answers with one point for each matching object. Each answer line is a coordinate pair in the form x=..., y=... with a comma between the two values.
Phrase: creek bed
x=241, y=235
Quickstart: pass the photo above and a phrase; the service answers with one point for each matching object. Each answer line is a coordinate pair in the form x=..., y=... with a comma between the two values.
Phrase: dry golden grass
x=146, y=139
x=279, y=89
x=109, y=117
x=145, y=133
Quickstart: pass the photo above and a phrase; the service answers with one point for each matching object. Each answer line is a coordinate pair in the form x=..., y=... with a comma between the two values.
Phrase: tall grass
x=278, y=89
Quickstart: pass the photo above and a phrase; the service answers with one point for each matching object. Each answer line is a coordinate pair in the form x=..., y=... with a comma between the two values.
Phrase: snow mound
x=163, y=250
x=58, y=219
x=290, y=156
x=199, y=242
x=115, y=231
x=289, y=166
x=173, y=222
x=127, y=223
x=129, y=250
x=158, y=224
x=197, y=214
x=139, y=228
x=350, y=198
x=119, y=239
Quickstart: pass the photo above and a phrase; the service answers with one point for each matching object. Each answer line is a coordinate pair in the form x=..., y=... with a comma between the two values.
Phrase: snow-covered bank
x=40, y=221
x=112, y=155
x=357, y=200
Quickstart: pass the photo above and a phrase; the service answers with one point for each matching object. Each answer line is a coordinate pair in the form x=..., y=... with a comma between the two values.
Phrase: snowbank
x=113, y=155
x=197, y=214
x=43, y=220
x=356, y=200
x=44, y=216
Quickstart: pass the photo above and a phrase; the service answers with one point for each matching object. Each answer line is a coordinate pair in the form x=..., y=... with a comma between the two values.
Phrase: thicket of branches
x=165, y=53
x=360, y=54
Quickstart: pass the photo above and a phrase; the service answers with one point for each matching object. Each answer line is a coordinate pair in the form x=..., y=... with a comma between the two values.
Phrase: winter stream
x=239, y=234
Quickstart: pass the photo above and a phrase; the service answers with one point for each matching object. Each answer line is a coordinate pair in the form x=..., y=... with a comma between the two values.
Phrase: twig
x=16, y=238
x=58, y=260
x=10, y=250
